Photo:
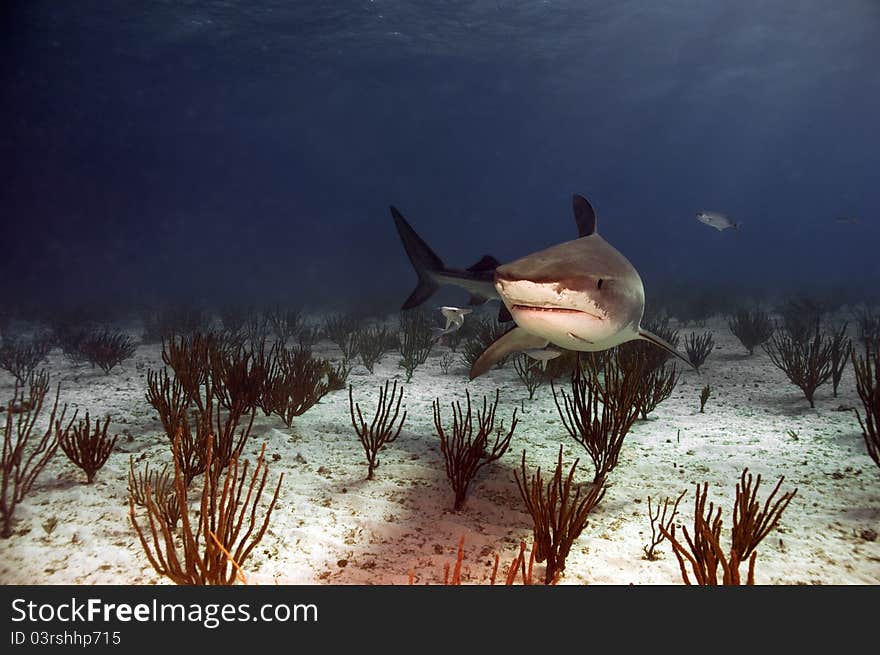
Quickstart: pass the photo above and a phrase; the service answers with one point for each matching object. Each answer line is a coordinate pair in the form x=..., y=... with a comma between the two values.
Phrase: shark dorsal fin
x=584, y=216
x=486, y=263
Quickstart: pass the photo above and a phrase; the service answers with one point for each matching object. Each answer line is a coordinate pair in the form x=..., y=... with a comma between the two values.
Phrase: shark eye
x=599, y=283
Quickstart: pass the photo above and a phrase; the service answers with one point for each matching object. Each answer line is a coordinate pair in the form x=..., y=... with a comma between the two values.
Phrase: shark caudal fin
x=664, y=344
x=509, y=342
x=423, y=259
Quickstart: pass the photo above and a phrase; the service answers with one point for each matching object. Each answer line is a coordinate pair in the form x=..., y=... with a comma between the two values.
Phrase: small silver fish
x=438, y=333
x=717, y=220
x=454, y=316
x=847, y=220
x=542, y=355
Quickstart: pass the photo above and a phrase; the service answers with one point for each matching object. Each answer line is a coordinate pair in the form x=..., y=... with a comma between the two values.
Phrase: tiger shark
x=579, y=295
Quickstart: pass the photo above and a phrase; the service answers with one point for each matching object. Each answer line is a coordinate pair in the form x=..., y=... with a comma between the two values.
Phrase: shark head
x=580, y=295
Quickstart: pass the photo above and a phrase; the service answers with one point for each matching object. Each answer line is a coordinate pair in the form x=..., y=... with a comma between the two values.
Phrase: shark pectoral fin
x=664, y=344
x=511, y=341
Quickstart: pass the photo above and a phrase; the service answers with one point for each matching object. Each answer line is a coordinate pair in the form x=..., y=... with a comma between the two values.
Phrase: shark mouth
x=553, y=310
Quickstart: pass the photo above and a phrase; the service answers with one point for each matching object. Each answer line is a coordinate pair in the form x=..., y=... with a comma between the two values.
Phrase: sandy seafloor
x=331, y=526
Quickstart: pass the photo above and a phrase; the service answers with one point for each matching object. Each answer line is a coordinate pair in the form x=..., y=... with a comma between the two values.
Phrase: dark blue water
x=234, y=150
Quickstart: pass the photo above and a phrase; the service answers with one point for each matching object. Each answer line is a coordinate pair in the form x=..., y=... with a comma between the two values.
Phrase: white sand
x=332, y=526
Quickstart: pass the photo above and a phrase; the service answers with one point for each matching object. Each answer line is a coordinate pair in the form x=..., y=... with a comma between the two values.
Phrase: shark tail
x=424, y=260
x=664, y=344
